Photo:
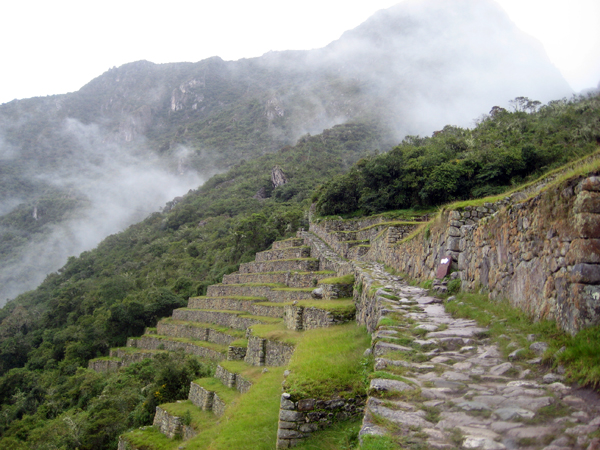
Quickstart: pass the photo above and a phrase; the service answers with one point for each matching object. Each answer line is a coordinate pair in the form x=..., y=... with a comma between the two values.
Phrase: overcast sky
x=54, y=47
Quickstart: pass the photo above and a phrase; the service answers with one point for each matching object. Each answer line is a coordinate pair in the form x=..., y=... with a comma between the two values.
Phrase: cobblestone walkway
x=442, y=384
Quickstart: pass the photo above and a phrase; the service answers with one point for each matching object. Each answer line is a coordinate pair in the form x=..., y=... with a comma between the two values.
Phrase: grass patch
x=198, y=419
x=242, y=342
x=552, y=411
x=340, y=436
x=346, y=279
x=150, y=438
x=390, y=297
x=327, y=362
x=372, y=442
x=276, y=332
x=251, y=423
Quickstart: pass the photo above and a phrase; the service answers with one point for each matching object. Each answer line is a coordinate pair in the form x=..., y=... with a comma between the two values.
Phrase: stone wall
x=299, y=265
x=299, y=419
x=541, y=253
x=232, y=304
x=347, y=239
x=291, y=279
x=206, y=400
x=172, y=426
x=236, y=353
x=301, y=318
x=284, y=253
x=230, y=320
x=292, y=242
x=335, y=291
x=104, y=365
x=226, y=290
x=190, y=331
x=264, y=352
x=200, y=397
x=154, y=343
x=328, y=259
x=232, y=380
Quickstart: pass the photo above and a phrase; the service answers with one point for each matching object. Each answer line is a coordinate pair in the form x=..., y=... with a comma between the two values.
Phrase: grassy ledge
x=346, y=279
x=327, y=362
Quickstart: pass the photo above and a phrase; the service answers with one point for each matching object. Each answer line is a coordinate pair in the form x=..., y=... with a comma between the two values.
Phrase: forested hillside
x=80, y=166
x=506, y=148
x=137, y=276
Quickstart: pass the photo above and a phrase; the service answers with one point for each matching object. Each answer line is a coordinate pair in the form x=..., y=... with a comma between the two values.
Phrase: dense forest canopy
x=504, y=149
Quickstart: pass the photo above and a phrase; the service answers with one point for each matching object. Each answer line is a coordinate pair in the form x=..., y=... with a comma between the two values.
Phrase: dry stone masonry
x=461, y=392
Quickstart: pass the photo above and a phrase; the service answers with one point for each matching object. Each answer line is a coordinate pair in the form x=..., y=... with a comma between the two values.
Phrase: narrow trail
x=456, y=390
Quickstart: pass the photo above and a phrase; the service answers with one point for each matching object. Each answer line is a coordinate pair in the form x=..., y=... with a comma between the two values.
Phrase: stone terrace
x=273, y=293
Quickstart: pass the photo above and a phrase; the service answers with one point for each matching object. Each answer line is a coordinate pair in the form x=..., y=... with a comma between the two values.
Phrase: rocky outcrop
x=278, y=178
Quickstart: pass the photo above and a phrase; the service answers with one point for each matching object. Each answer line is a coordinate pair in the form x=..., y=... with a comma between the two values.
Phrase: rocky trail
x=457, y=390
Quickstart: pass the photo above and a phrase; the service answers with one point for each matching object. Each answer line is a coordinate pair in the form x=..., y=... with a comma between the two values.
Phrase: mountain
x=78, y=167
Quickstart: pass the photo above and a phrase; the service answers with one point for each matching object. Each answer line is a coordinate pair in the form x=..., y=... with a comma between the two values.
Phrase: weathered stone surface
x=509, y=413
x=385, y=385
x=587, y=225
x=538, y=348
x=587, y=202
x=501, y=369
x=584, y=251
x=586, y=273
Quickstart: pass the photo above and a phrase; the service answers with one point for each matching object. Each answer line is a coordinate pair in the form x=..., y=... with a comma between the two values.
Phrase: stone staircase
x=235, y=323
x=353, y=239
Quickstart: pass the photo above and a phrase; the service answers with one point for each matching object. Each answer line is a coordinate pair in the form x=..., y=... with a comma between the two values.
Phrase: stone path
x=442, y=384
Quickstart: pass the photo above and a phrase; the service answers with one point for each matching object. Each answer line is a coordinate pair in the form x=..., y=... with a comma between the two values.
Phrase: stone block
x=289, y=434
x=309, y=427
x=290, y=416
x=453, y=244
x=288, y=425
x=454, y=215
x=283, y=443
x=307, y=404
x=453, y=231
x=590, y=184
x=584, y=251
x=587, y=225
x=587, y=202
x=586, y=273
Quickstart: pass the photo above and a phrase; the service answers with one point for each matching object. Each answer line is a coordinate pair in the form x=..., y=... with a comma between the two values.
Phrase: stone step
x=209, y=394
x=290, y=279
x=171, y=425
x=232, y=379
x=240, y=320
x=267, y=352
x=105, y=364
x=199, y=331
x=268, y=293
x=292, y=242
x=121, y=357
x=299, y=265
x=283, y=253
x=199, y=348
x=258, y=307
x=357, y=251
x=240, y=290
